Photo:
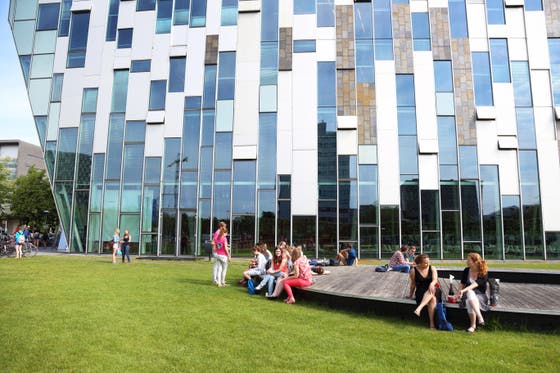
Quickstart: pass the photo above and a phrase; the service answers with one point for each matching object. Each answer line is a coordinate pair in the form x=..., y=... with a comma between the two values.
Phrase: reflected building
x=318, y=122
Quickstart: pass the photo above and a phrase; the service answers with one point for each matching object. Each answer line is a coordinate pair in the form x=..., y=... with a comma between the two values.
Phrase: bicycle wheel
x=9, y=250
x=31, y=250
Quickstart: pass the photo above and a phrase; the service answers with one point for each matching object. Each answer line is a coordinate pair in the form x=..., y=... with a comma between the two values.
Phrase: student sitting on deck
x=423, y=279
x=301, y=277
x=398, y=263
x=348, y=256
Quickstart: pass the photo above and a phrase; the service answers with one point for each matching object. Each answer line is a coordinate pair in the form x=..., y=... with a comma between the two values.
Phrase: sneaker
x=267, y=295
x=258, y=287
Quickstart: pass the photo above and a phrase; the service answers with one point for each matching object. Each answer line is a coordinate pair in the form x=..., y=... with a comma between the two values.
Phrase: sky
x=16, y=119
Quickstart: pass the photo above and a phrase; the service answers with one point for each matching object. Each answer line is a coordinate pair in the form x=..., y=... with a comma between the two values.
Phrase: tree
x=32, y=200
x=5, y=189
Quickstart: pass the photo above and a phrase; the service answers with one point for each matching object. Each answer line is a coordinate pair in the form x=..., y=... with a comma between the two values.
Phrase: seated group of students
x=288, y=267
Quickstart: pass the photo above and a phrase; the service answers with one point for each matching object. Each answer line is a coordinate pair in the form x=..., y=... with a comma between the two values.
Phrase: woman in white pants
x=473, y=287
x=220, y=249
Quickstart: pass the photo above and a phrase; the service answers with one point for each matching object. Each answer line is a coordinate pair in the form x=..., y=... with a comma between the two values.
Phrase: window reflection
x=327, y=229
x=491, y=212
x=243, y=234
x=512, y=227
x=389, y=224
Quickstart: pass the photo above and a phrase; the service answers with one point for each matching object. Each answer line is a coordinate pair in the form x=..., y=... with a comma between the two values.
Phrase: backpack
x=442, y=323
x=494, y=291
x=251, y=285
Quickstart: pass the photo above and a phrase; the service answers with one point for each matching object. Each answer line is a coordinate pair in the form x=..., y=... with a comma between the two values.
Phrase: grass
x=76, y=313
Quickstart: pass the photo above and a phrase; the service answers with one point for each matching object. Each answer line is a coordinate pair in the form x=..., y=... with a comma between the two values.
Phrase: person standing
x=20, y=240
x=473, y=288
x=116, y=243
x=126, y=245
x=220, y=249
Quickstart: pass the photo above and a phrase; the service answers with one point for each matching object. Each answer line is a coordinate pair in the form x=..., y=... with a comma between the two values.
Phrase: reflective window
x=56, y=92
x=222, y=157
x=304, y=233
x=64, y=18
x=171, y=167
x=140, y=66
x=164, y=13
x=112, y=20
x=97, y=182
x=177, y=66
x=421, y=31
x=187, y=244
x=521, y=83
x=389, y=224
x=283, y=221
x=45, y=42
x=207, y=138
x=363, y=20
x=431, y=244
x=449, y=186
x=369, y=200
x=168, y=232
x=552, y=245
x=458, y=19
x=152, y=171
x=500, y=60
x=554, y=52
x=364, y=61
x=50, y=155
x=445, y=103
x=470, y=203
x=430, y=210
x=447, y=140
x=89, y=100
x=23, y=36
x=209, y=87
x=120, y=88
x=39, y=93
x=408, y=154
x=66, y=154
x=348, y=209
x=132, y=178
x=495, y=12
x=85, y=149
x=132, y=223
x=326, y=83
x=193, y=102
x=284, y=187
x=25, y=62
x=410, y=210
x=383, y=30
x=110, y=212
x=77, y=43
x=406, y=117
x=41, y=125
x=226, y=76
x=266, y=216
x=327, y=228
x=405, y=90
x=42, y=66
x=491, y=212
x=513, y=234
x=243, y=234
x=469, y=162
x=224, y=116
x=304, y=6
x=93, y=233
x=526, y=128
x=181, y=12
x=125, y=38
x=63, y=196
x=326, y=152
x=451, y=233
x=244, y=187
x=191, y=139
x=157, y=94
x=533, y=5
x=189, y=187
x=267, y=151
x=149, y=244
x=269, y=29
x=269, y=63
x=47, y=18
x=325, y=13
x=369, y=247
x=114, y=146
x=222, y=195
x=150, y=209
x=481, y=77
x=198, y=13
x=531, y=201
x=267, y=99
x=145, y=5
x=229, y=12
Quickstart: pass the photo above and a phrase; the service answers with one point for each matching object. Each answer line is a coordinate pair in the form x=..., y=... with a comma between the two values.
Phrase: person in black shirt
x=473, y=288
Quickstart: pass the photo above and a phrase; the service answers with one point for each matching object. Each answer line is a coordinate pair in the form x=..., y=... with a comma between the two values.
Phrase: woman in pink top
x=300, y=277
x=220, y=249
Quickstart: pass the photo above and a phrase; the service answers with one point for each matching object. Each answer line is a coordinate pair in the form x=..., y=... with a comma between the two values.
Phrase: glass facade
x=168, y=144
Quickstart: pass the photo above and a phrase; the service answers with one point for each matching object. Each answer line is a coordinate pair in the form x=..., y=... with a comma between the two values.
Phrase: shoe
x=471, y=330
x=267, y=295
x=225, y=284
x=417, y=313
x=258, y=287
x=291, y=301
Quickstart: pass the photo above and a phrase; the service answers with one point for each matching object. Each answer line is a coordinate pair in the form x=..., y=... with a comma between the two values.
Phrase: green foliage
x=5, y=188
x=82, y=313
x=32, y=201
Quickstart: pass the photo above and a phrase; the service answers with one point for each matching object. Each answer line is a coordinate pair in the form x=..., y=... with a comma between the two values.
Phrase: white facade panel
x=96, y=43
x=245, y=152
x=424, y=93
x=284, y=152
x=179, y=35
x=285, y=13
x=213, y=16
x=160, y=57
x=304, y=103
x=504, y=104
x=497, y=31
x=347, y=142
x=71, y=108
x=487, y=141
x=196, y=50
x=174, y=109
x=549, y=167
x=515, y=22
x=138, y=96
x=387, y=134
x=227, y=40
x=153, y=146
x=517, y=48
x=347, y=122
x=304, y=183
x=478, y=44
x=60, y=55
x=326, y=50
x=509, y=172
x=476, y=20
x=143, y=35
x=418, y=6
x=537, y=40
x=127, y=9
x=326, y=33
x=540, y=88
x=437, y=4
x=428, y=171
x=305, y=27
x=284, y=123
x=367, y=154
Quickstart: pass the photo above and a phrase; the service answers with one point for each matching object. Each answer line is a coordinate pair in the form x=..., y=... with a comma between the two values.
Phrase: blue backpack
x=442, y=324
x=251, y=287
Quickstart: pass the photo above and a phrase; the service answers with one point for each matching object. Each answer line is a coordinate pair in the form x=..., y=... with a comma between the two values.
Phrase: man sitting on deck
x=398, y=262
x=348, y=256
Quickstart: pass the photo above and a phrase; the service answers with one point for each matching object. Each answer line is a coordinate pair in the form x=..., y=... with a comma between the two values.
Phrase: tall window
x=181, y=12
x=495, y=12
x=458, y=18
x=482, y=81
x=47, y=19
x=157, y=95
x=554, y=50
x=177, y=67
x=421, y=31
x=77, y=44
x=500, y=60
x=112, y=20
x=164, y=13
x=383, y=30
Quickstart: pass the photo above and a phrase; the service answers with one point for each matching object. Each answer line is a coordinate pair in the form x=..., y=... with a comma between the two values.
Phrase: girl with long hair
x=473, y=289
x=220, y=249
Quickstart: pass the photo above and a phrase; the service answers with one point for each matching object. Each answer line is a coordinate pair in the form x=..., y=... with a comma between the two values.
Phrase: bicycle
x=7, y=248
x=28, y=250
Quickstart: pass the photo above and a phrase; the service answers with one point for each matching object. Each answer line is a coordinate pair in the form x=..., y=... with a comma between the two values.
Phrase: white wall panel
x=478, y=44
x=304, y=183
x=196, y=49
x=517, y=48
x=60, y=55
x=428, y=171
x=285, y=13
x=304, y=69
x=487, y=142
x=424, y=92
x=437, y=3
x=476, y=20
x=160, y=57
x=245, y=152
x=213, y=16
x=549, y=167
x=509, y=172
x=515, y=22
x=540, y=88
x=174, y=108
x=305, y=26
x=227, y=40
x=497, y=31
x=153, y=146
x=127, y=9
x=418, y=6
x=504, y=104
x=98, y=15
x=347, y=142
x=71, y=99
x=537, y=41
x=143, y=35
x=387, y=134
x=138, y=96
x=284, y=126
x=104, y=97
x=179, y=35
x=326, y=50
x=96, y=48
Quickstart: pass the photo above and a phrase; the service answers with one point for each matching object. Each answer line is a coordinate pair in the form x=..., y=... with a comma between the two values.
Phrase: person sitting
x=410, y=254
x=348, y=256
x=257, y=266
x=398, y=263
x=423, y=279
x=473, y=288
x=301, y=277
x=278, y=268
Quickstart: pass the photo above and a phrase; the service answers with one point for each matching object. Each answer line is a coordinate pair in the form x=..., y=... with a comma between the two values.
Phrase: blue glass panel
x=408, y=155
x=326, y=83
x=229, y=12
x=145, y=5
x=226, y=76
x=244, y=187
x=470, y=203
x=410, y=210
x=369, y=201
x=50, y=154
x=325, y=13
x=191, y=139
x=192, y=102
x=152, y=171
x=269, y=63
x=406, y=120
x=382, y=19
x=132, y=163
x=443, y=76
x=269, y=29
x=97, y=182
x=209, y=87
x=447, y=140
x=140, y=66
x=222, y=195
x=207, y=138
x=114, y=146
x=421, y=31
x=164, y=13
x=110, y=210
x=267, y=151
x=531, y=5
x=25, y=62
x=347, y=167
x=223, y=150
x=47, y=19
x=405, y=90
x=513, y=234
x=495, y=12
x=521, y=83
x=157, y=94
x=326, y=152
x=56, y=92
x=189, y=187
x=481, y=77
x=120, y=89
x=458, y=18
x=205, y=177
x=364, y=61
x=198, y=13
x=89, y=100
x=125, y=38
x=85, y=149
x=526, y=128
x=468, y=161
x=112, y=20
x=66, y=154
x=171, y=160
x=363, y=21
x=554, y=51
x=384, y=49
x=63, y=195
x=181, y=13
x=284, y=186
x=491, y=212
x=531, y=202
x=135, y=131
x=77, y=44
x=500, y=60
x=304, y=6
x=449, y=186
x=64, y=18
x=266, y=216
x=41, y=125
x=93, y=233
x=177, y=66
x=348, y=210
x=304, y=46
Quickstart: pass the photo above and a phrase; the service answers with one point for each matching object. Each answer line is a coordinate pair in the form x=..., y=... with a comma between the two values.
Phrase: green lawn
x=75, y=313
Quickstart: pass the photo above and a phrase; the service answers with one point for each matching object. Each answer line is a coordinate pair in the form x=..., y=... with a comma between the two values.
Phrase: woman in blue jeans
x=278, y=268
x=126, y=245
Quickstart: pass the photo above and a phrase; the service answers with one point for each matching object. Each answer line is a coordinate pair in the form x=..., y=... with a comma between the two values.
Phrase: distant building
x=19, y=156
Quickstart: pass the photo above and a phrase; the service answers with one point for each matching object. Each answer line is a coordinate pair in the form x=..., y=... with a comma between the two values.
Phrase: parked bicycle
x=8, y=248
x=29, y=250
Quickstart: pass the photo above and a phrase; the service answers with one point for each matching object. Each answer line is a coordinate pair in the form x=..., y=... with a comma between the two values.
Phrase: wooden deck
x=519, y=303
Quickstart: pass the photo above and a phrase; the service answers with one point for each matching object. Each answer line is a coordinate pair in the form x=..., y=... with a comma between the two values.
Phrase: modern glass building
x=317, y=122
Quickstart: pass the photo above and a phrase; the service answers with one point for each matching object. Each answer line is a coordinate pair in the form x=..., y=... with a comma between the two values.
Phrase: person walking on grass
x=20, y=240
x=116, y=244
x=222, y=255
